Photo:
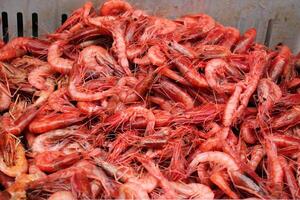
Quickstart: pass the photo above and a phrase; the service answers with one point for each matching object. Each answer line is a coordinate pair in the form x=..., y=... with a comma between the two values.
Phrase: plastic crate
x=276, y=21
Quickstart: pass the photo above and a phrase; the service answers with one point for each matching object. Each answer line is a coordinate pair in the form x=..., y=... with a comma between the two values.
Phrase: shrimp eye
x=264, y=99
x=169, y=44
x=135, y=19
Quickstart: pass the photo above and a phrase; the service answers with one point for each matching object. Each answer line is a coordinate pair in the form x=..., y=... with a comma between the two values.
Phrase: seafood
x=121, y=104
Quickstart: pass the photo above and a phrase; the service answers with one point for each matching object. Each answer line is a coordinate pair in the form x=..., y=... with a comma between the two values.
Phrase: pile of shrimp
x=117, y=103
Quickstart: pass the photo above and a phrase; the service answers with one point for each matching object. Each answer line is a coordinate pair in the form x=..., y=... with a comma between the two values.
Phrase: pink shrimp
x=213, y=156
x=214, y=35
x=275, y=170
x=68, y=140
x=99, y=60
x=290, y=178
x=115, y=7
x=57, y=63
x=231, y=36
x=76, y=92
x=176, y=93
x=19, y=46
x=195, y=26
x=193, y=190
x=45, y=123
x=207, y=52
x=279, y=62
x=66, y=195
x=119, y=44
x=52, y=161
x=18, y=125
x=12, y=160
x=218, y=179
x=257, y=155
x=247, y=131
x=287, y=119
x=5, y=98
x=246, y=41
x=212, y=69
x=156, y=173
x=120, y=118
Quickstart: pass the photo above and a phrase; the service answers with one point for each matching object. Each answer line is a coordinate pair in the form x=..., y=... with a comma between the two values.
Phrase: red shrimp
x=195, y=26
x=114, y=121
x=176, y=93
x=214, y=35
x=200, y=114
x=257, y=154
x=212, y=69
x=279, y=62
x=188, y=52
x=218, y=179
x=68, y=140
x=213, y=156
x=5, y=98
x=57, y=63
x=53, y=121
x=156, y=173
x=275, y=170
x=12, y=160
x=290, y=178
x=207, y=52
x=76, y=89
x=115, y=7
x=23, y=121
x=259, y=61
x=193, y=190
x=52, y=161
x=245, y=41
x=99, y=60
x=19, y=46
x=59, y=101
x=268, y=94
x=231, y=36
x=119, y=44
x=287, y=119
x=66, y=195
x=247, y=131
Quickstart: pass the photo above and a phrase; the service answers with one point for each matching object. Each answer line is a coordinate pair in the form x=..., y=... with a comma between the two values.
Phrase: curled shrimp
x=98, y=59
x=119, y=46
x=115, y=7
x=212, y=69
x=57, y=63
x=214, y=156
x=19, y=46
x=12, y=161
x=68, y=140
